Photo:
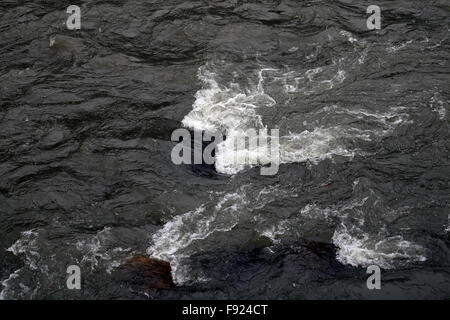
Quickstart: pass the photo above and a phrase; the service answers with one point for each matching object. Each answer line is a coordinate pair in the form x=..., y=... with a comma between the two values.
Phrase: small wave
x=5, y=293
x=232, y=110
x=40, y=254
x=171, y=243
x=98, y=252
x=437, y=105
x=363, y=250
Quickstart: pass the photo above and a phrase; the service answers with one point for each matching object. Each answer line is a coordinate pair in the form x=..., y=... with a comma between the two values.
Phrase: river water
x=86, y=176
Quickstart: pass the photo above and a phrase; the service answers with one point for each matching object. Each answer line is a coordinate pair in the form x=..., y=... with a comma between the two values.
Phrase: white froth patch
x=97, y=251
x=359, y=247
x=395, y=48
x=361, y=250
x=350, y=37
x=27, y=245
x=312, y=81
x=6, y=286
x=313, y=211
x=171, y=243
x=40, y=257
x=438, y=106
x=231, y=159
x=382, y=123
x=361, y=44
x=275, y=232
x=226, y=108
x=233, y=110
x=316, y=145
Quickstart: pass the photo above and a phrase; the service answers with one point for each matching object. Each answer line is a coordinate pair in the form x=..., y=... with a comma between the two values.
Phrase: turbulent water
x=86, y=176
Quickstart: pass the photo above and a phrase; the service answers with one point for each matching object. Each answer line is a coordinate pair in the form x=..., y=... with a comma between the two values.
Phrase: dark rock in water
x=148, y=273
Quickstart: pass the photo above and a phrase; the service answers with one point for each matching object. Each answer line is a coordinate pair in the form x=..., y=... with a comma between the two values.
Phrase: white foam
x=231, y=158
x=226, y=108
x=40, y=254
x=362, y=241
x=233, y=110
x=315, y=145
x=6, y=286
x=363, y=250
x=350, y=37
x=98, y=252
x=312, y=80
x=438, y=106
x=274, y=232
x=171, y=243
x=27, y=245
x=395, y=48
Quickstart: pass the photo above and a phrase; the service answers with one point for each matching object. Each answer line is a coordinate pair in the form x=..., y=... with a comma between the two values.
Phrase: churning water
x=86, y=176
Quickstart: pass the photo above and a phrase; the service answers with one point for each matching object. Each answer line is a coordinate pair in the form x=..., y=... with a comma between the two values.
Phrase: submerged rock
x=148, y=273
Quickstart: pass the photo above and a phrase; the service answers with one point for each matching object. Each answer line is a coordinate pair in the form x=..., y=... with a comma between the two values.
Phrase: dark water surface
x=86, y=176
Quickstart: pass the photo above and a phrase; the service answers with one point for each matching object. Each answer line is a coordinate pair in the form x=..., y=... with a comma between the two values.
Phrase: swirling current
x=86, y=176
